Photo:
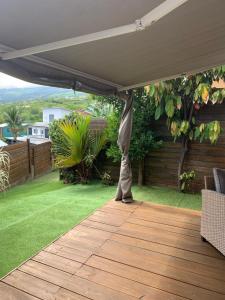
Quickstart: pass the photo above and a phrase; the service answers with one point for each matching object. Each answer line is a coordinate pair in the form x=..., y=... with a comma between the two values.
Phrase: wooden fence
x=161, y=165
x=28, y=161
x=41, y=158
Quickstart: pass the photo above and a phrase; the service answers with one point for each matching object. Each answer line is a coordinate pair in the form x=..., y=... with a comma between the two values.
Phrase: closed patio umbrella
x=125, y=181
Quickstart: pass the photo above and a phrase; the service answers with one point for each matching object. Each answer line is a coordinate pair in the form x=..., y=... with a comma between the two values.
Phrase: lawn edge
x=1, y=278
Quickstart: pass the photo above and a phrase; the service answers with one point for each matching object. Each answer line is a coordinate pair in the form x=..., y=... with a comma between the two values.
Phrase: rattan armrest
x=208, y=194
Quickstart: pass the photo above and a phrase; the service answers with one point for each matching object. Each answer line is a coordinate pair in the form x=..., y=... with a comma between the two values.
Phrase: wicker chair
x=213, y=212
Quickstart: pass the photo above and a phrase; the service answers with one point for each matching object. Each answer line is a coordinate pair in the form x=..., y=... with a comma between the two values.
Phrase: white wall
x=56, y=113
x=38, y=131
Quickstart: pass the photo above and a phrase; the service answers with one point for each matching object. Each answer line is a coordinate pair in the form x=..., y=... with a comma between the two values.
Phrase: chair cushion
x=219, y=179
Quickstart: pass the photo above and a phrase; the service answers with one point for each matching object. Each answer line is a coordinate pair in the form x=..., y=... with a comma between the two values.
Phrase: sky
x=7, y=81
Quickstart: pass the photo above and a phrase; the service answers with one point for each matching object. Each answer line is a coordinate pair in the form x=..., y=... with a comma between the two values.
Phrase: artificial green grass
x=167, y=196
x=34, y=214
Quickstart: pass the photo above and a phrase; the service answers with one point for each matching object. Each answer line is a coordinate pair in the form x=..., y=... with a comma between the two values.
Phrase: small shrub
x=186, y=179
x=107, y=179
x=69, y=175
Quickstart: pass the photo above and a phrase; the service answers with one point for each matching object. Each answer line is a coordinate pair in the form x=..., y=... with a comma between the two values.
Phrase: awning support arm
x=153, y=16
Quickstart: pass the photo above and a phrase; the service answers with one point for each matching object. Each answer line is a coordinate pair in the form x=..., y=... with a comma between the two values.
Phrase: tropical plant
x=107, y=179
x=180, y=100
x=77, y=145
x=4, y=170
x=55, y=132
x=13, y=117
x=143, y=138
x=186, y=179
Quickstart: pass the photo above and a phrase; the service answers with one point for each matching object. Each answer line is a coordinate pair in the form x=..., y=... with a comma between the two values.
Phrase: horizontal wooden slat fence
x=28, y=161
x=19, y=163
x=161, y=165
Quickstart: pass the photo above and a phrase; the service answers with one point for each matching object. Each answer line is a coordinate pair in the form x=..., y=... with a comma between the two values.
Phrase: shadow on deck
x=138, y=251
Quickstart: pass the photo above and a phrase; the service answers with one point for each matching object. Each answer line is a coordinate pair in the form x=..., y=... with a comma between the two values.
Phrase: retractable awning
x=103, y=46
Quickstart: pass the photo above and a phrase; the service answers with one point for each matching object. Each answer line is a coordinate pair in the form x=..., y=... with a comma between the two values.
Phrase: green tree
x=180, y=100
x=99, y=110
x=143, y=138
x=13, y=117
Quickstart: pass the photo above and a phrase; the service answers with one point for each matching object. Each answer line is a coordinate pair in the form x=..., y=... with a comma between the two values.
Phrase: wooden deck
x=124, y=252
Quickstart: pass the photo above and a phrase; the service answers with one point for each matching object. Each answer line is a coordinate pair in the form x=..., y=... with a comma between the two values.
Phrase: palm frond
x=71, y=150
x=97, y=142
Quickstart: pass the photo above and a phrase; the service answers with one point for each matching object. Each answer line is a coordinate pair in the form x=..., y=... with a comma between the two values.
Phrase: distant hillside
x=34, y=93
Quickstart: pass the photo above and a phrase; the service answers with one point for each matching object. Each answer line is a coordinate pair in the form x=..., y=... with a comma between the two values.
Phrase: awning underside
x=190, y=38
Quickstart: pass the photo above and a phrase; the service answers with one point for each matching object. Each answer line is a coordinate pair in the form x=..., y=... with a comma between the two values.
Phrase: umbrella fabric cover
x=125, y=181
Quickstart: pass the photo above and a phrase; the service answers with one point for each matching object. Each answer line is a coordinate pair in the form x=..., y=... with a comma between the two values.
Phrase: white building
x=41, y=129
x=38, y=129
x=51, y=114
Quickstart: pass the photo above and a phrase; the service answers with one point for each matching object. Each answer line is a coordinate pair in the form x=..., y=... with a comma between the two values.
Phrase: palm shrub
x=13, y=117
x=76, y=146
x=4, y=170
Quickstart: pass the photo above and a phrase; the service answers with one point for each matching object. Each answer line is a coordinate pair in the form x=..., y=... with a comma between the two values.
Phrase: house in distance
x=41, y=129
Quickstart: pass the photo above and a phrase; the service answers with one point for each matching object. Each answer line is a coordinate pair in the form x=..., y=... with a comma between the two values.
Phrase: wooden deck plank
x=57, y=262
x=90, y=232
x=95, y=291
x=10, y=293
x=171, y=209
x=79, y=243
x=154, y=280
x=218, y=264
x=82, y=233
x=45, y=272
x=63, y=294
x=170, y=228
x=138, y=251
x=72, y=283
x=152, y=217
x=98, y=225
x=156, y=263
x=107, y=218
x=79, y=255
x=180, y=263
x=145, y=213
x=125, y=285
x=32, y=285
x=170, y=239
